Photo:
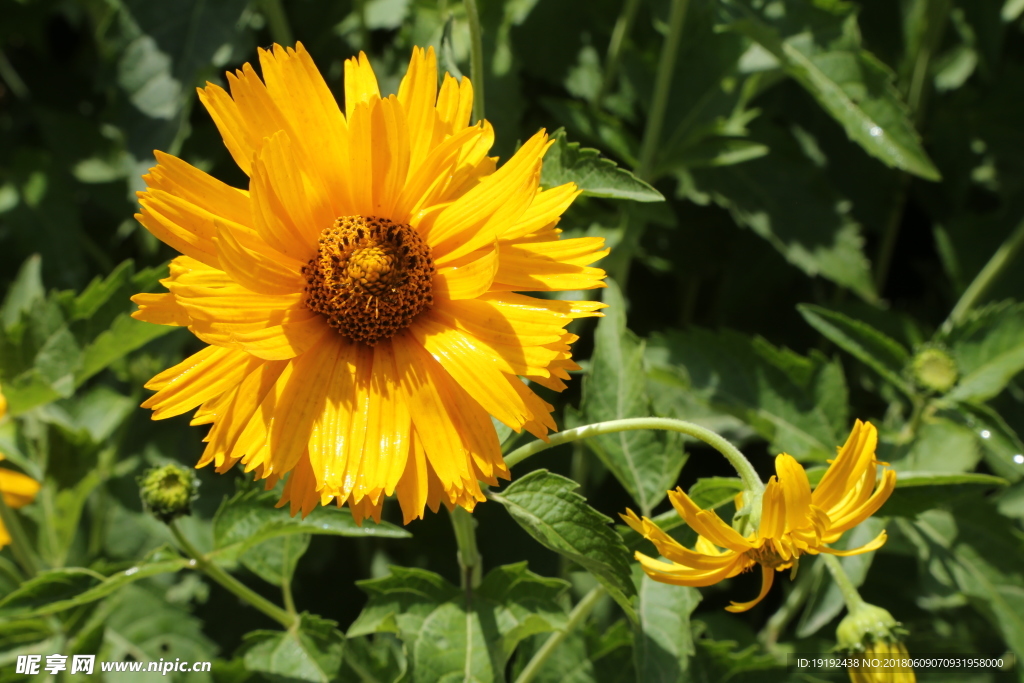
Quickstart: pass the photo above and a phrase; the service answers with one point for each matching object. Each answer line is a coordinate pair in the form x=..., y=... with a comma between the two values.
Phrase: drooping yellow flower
x=794, y=521
x=359, y=297
x=884, y=651
x=17, y=489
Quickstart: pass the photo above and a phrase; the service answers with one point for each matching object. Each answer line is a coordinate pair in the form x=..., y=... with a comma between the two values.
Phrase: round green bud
x=167, y=492
x=866, y=625
x=934, y=369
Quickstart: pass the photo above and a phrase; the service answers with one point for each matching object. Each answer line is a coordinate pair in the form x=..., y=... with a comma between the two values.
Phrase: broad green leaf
x=570, y=664
x=785, y=198
x=124, y=336
x=713, y=492
x=646, y=462
x=723, y=660
x=853, y=86
x=919, y=491
x=989, y=351
x=274, y=560
x=1001, y=446
x=449, y=639
x=549, y=509
x=798, y=403
x=663, y=643
x=24, y=293
x=249, y=518
x=60, y=589
x=882, y=354
x=941, y=445
x=311, y=652
x=826, y=602
x=567, y=162
x=381, y=657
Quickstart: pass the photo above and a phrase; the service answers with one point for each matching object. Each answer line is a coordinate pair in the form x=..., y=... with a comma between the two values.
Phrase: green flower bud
x=864, y=626
x=167, y=492
x=934, y=369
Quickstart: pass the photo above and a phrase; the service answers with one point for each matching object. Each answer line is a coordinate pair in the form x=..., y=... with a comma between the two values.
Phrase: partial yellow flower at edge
x=884, y=651
x=17, y=489
x=795, y=521
x=358, y=298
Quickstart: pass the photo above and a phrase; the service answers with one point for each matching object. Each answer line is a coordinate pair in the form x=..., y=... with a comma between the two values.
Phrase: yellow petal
x=796, y=490
x=360, y=83
x=707, y=523
x=197, y=379
x=773, y=511
x=187, y=182
x=387, y=430
x=160, y=309
x=468, y=278
x=412, y=487
x=255, y=265
x=287, y=217
x=18, y=489
x=550, y=266
x=418, y=93
x=679, y=575
x=332, y=441
x=851, y=517
x=545, y=210
x=875, y=544
x=854, y=457
x=767, y=576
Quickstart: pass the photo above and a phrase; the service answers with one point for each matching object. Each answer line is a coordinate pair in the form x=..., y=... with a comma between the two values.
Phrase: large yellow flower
x=794, y=521
x=359, y=298
x=17, y=489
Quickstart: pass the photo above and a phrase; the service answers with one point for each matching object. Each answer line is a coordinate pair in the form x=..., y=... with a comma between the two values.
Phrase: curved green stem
x=576, y=617
x=614, y=56
x=20, y=545
x=662, y=87
x=751, y=481
x=993, y=269
x=850, y=594
x=231, y=583
x=476, y=59
x=470, y=561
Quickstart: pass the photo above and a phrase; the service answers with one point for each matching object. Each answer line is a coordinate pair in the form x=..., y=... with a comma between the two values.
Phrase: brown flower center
x=768, y=557
x=370, y=277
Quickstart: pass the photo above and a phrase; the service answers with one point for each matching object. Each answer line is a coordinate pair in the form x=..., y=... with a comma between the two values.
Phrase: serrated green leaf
x=646, y=462
x=989, y=351
x=249, y=518
x=567, y=162
x=549, y=509
x=274, y=560
x=61, y=589
x=881, y=353
x=798, y=403
x=853, y=86
x=311, y=652
x=124, y=336
x=24, y=293
x=663, y=644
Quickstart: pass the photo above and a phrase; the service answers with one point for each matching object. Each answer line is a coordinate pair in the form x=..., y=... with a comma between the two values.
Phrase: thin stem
x=476, y=59
x=11, y=77
x=469, y=557
x=231, y=583
x=20, y=545
x=751, y=480
x=850, y=595
x=795, y=599
x=277, y=22
x=286, y=581
x=986, y=278
x=662, y=87
x=576, y=617
x=614, y=56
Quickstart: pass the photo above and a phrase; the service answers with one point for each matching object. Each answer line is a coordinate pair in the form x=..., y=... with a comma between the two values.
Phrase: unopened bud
x=864, y=626
x=167, y=492
x=934, y=369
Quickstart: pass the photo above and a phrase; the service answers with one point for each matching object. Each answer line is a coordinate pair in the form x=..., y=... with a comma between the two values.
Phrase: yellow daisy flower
x=794, y=521
x=17, y=489
x=883, y=650
x=359, y=297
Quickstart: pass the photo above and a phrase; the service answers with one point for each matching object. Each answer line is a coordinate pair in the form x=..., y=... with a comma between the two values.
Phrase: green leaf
x=798, y=403
x=989, y=351
x=851, y=84
x=663, y=643
x=567, y=162
x=919, y=491
x=786, y=199
x=1000, y=444
x=883, y=354
x=274, y=560
x=549, y=509
x=713, y=492
x=25, y=292
x=380, y=657
x=249, y=518
x=940, y=445
x=450, y=641
x=60, y=589
x=312, y=652
x=646, y=462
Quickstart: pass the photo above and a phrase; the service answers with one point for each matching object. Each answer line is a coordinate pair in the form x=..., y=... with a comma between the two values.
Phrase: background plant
x=842, y=211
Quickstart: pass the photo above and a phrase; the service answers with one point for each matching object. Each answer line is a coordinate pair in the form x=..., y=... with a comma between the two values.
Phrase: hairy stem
x=576, y=617
x=470, y=561
x=850, y=595
x=751, y=481
x=989, y=274
x=231, y=583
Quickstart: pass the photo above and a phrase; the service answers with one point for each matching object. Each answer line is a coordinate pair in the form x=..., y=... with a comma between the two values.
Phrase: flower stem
x=20, y=545
x=751, y=481
x=614, y=56
x=277, y=22
x=576, y=617
x=795, y=599
x=476, y=59
x=988, y=275
x=470, y=561
x=850, y=595
x=662, y=87
x=231, y=583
